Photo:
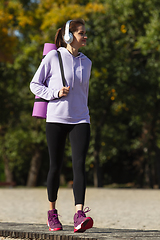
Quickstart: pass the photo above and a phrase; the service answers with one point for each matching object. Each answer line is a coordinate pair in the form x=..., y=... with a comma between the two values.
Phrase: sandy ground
x=110, y=208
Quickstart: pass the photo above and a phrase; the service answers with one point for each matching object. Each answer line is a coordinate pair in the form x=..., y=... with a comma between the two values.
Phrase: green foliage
x=124, y=97
x=124, y=88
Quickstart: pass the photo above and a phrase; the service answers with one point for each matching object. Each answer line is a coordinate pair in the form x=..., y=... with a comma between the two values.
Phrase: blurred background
x=124, y=98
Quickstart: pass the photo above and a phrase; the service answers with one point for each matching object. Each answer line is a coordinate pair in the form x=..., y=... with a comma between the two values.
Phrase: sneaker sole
x=54, y=229
x=86, y=224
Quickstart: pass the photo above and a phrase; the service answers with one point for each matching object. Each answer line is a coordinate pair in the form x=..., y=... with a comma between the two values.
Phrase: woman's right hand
x=63, y=92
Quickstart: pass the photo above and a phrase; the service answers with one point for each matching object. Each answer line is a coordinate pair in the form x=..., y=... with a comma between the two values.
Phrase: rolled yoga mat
x=40, y=105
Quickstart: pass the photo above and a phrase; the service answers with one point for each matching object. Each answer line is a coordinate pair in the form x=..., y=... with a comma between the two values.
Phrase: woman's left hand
x=63, y=92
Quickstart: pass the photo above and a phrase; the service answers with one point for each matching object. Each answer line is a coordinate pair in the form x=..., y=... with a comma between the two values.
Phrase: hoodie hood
x=73, y=59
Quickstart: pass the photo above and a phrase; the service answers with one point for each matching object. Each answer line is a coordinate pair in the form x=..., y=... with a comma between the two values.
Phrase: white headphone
x=68, y=36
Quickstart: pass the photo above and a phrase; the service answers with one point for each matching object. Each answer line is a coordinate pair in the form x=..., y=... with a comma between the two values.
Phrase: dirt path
x=110, y=208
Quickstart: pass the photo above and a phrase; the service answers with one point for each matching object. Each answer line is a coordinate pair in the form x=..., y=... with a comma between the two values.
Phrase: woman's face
x=79, y=37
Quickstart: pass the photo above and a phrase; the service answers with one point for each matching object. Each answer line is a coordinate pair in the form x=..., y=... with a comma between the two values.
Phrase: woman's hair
x=59, y=41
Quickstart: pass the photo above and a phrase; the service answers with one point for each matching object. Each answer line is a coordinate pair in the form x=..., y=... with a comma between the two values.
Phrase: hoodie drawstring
x=80, y=64
x=73, y=73
x=80, y=70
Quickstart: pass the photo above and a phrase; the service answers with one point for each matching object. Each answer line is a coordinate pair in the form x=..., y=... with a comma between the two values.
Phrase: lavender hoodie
x=47, y=82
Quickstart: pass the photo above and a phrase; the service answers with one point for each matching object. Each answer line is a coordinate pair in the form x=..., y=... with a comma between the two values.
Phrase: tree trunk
x=97, y=169
x=7, y=170
x=158, y=165
x=34, y=169
x=97, y=173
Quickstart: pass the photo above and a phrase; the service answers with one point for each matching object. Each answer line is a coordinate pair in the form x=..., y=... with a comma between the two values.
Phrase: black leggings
x=79, y=135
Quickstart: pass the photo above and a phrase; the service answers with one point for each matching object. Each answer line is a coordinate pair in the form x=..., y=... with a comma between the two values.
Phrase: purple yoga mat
x=40, y=105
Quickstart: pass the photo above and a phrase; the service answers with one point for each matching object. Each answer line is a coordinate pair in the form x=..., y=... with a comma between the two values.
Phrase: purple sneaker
x=53, y=221
x=81, y=222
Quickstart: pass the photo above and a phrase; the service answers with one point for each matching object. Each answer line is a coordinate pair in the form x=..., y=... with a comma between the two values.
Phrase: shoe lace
x=54, y=218
x=83, y=212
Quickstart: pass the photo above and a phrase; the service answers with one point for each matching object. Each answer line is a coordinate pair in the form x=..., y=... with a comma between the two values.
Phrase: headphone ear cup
x=68, y=36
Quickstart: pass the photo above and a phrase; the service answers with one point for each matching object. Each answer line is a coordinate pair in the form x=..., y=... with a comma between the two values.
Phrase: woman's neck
x=72, y=50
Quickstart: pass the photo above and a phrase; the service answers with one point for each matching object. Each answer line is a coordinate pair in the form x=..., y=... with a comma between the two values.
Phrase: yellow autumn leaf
x=123, y=29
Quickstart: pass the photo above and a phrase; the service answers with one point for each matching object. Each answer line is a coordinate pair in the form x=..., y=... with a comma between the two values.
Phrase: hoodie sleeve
x=38, y=83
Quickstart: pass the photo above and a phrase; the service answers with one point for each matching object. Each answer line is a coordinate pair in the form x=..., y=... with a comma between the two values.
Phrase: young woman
x=67, y=113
